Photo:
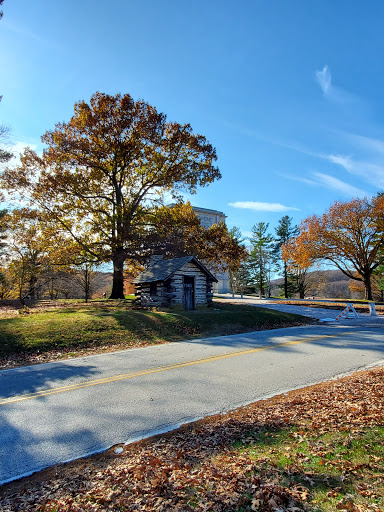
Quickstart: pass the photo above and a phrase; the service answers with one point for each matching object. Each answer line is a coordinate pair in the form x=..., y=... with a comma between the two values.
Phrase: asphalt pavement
x=316, y=313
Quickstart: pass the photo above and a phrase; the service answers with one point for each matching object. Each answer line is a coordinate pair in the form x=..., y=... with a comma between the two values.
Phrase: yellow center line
x=107, y=380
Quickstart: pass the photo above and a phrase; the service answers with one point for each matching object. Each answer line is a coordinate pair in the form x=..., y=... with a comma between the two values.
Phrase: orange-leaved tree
x=27, y=248
x=350, y=235
x=178, y=231
x=34, y=249
x=298, y=262
x=102, y=174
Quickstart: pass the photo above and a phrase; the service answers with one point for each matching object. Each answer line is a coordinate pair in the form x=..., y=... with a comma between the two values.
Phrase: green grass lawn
x=333, y=468
x=95, y=325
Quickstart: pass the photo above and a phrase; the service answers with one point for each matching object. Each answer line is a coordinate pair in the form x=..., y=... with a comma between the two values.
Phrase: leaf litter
x=285, y=454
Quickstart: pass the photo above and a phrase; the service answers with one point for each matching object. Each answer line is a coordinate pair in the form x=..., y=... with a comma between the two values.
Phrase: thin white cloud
x=339, y=185
x=317, y=179
x=370, y=172
x=301, y=179
x=324, y=79
x=343, y=160
x=262, y=207
x=336, y=94
x=31, y=36
x=365, y=143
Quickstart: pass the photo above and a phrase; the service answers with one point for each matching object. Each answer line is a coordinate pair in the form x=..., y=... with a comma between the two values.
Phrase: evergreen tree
x=238, y=276
x=240, y=279
x=261, y=258
x=378, y=281
x=284, y=231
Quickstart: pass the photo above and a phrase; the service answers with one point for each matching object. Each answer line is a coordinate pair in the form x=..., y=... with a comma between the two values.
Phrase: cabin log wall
x=171, y=291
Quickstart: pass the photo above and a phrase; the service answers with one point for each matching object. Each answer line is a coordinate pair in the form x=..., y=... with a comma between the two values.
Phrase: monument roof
x=207, y=210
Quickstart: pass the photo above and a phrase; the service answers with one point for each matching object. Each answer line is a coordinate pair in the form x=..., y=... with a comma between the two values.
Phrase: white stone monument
x=208, y=218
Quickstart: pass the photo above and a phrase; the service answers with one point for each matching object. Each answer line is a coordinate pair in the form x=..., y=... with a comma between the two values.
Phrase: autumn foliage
x=299, y=261
x=349, y=234
x=102, y=178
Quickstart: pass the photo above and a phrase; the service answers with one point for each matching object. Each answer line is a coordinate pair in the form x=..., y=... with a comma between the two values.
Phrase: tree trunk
x=261, y=282
x=118, y=279
x=285, y=280
x=368, y=287
x=86, y=283
x=32, y=286
x=301, y=286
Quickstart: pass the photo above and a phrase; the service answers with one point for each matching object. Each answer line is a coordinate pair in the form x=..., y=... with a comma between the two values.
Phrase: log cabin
x=181, y=281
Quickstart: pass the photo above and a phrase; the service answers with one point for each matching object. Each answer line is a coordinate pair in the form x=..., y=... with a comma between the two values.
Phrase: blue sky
x=289, y=92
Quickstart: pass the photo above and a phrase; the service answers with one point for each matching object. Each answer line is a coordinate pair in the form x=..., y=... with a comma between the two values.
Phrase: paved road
x=59, y=411
x=316, y=313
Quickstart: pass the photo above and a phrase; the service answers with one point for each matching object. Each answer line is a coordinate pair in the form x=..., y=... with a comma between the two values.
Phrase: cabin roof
x=161, y=270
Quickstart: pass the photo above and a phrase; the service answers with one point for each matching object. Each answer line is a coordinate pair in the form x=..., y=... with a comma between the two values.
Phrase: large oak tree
x=102, y=176
x=350, y=235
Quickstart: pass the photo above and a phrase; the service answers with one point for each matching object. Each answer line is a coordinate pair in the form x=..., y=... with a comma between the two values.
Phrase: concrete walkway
x=317, y=313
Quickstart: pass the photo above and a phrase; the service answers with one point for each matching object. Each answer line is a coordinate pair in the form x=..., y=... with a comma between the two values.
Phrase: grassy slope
x=92, y=325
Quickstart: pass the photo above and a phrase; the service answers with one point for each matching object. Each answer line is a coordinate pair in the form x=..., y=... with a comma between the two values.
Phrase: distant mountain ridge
x=323, y=284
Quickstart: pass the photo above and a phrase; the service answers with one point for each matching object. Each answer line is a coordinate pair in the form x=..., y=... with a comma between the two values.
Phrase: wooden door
x=189, y=293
